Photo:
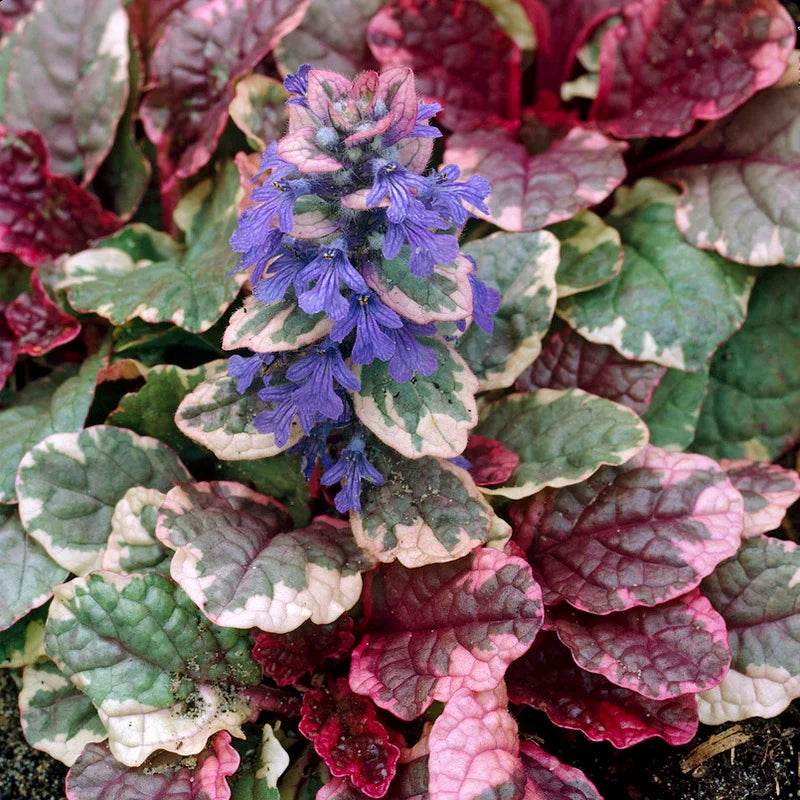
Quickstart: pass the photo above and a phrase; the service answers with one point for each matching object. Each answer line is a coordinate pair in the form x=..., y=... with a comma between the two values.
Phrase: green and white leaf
x=55, y=716
x=561, y=437
x=429, y=511
x=522, y=267
x=23, y=642
x=258, y=779
x=258, y=109
x=672, y=303
x=675, y=408
x=160, y=675
x=69, y=484
x=427, y=416
x=141, y=272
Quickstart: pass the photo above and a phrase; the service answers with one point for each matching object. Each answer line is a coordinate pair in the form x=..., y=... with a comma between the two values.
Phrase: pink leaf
x=635, y=535
x=490, y=462
x=673, y=62
x=675, y=648
x=11, y=11
x=550, y=779
x=474, y=749
x=346, y=733
x=548, y=679
x=569, y=361
x=43, y=215
x=214, y=767
x=444, y=627
x=460, y=57
x=531, y=190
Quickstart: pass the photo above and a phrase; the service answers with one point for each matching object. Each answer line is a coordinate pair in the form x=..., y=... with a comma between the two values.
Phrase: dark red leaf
x=346, y=733
x=673, y=62
x=148, y=19
x=490, y=462
x=13, y=10
x=461, y=57
x=8, y=346
x=43, y=215
x=569, y=361
x=553, y=779
x=287, y=656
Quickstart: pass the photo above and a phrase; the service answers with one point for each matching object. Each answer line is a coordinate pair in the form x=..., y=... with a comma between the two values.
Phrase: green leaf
x=70, y=483
x=675, y=408
x=160, y=675
x=561, y=437
x=258, y=109
x=522, y=267
x=752, y=409
x=23, y=642
x=55, y=716
x=140, y=272
x=672, y=304
x=256, y=778
x=428, y=511
x=428, y=416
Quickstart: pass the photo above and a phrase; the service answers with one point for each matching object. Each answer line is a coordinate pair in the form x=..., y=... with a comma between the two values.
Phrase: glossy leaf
x=675, y=408
x=552, y=779
x=258, y=109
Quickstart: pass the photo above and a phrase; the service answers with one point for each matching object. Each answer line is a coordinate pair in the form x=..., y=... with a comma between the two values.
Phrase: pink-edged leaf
x=11, y=11
x=205, y=46
x=285, y=657
x=670, y=63
x=443, y=627
x=97, y=775
x=347, y=734
x=550, y=779
x=530, y=191
x=38, y=322
x=635, y=535
x=767, y=489
x=474, y=749
x=674, y=648
x=569, y=361
x=43, y=215
x=548, y=679
x=460, y=55
x=9, y=347
x=490, y=462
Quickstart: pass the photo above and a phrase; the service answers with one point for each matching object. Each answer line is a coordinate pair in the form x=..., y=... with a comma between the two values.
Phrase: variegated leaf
x=23, y=642
x=549, y=779
x=258, y=109
x=675, y=408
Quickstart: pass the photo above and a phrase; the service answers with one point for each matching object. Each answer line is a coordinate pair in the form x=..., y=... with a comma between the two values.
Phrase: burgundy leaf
x=285, y=657
x=569, y=361
x=205, y=46
x=148, y=20
x=548, y=679
x=639, y=534
x=11, y=11
x=347, y=735
x=43, y=215
x=673, y=62
x=552, y=779
x=460, y=55
x=442, y=627
x=490, y=462
x=8, y=346
x=671, y=649
x=38, y=322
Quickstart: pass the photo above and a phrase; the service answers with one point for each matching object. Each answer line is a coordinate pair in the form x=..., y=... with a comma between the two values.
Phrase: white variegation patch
x=273, y=760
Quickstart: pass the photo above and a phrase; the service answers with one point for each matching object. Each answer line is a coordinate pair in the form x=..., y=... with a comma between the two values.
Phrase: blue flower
x=352, y=468
x=246, y=369
x=278, y=420
x=444, y=195
x=278, y=167
x=312, y=447
x=367, y=314
x=427, y=247
x=278, y=196
x=398, y=183
x=425, y=111
x=329, y=268
x=485, y=302
x=409, y=355
x=298, y=84
x=283, y=271
x=258, y=244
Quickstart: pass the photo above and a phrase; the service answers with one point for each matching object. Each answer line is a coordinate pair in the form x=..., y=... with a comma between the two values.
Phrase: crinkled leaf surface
x=672, y=304
x=238, y=560
x=552, y=779
x=749, y=412
x=569, y=361
x=444, y=627
x=428, y=511
x=474, y=749
x=489, y=461
x=675, y=408
x=23, y=642
x=430, y=415
x=522, y=267
x=635, y=535
x=668, y=64
x=8, y=346
x=69, y=484
x=531, y=190
x=258, y=109
x=561, y=437
x=140, y=272
x=758, y=595
x=43, y=215
x=27, y=573
x=160, y=675
x=738, y=199
x=548, y=679
x=460, y=56
x=55, y=716
x=347, y=734
x=66, y=75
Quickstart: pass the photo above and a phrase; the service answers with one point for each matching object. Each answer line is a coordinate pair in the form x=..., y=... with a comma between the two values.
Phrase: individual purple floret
x=278, y=420
x=277, y=197
x=427, y=247
x=312, y=448
x=485, y=302
x=409, y=355
x=444, y=195
x=246, y=369
x=425, y=111
x=367, y=314
x=283, y=272
x=352, y=468
x=297, y=84
x=399, y=183
x=327, y=271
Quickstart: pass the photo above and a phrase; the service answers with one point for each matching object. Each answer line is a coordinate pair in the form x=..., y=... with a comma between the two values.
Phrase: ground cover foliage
x=380, y=374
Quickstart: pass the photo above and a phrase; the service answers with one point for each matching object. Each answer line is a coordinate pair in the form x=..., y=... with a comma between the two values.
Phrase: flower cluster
x=342, y=201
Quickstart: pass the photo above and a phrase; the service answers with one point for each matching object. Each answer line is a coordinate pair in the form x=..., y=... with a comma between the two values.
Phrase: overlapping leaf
x=561, y=437
x=675, y=408
x=550, y=779
x=258, y=109
x=489, y=461
x=11, y=11
x=672, y=304
x=23, y=642
x=444, y=627
x=257, y=778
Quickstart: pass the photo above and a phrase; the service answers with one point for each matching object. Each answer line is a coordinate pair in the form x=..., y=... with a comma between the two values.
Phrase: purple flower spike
x=446, y=196
x=427, y=247
x=329, y=268
x=367, y=314
x=352, y=468
x=409, y=355
x=398, y=183
x=246, y=369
